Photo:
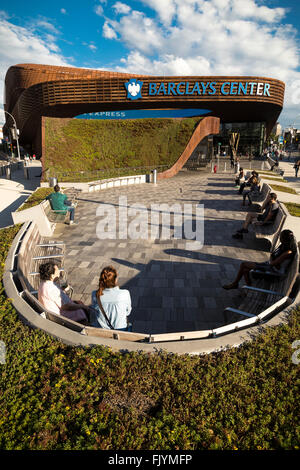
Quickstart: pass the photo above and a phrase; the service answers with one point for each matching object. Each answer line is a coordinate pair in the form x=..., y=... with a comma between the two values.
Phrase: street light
x=295, y=120
x=17, y=138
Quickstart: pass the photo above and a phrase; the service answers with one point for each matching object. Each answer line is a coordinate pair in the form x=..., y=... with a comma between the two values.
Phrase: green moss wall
x=87, y=145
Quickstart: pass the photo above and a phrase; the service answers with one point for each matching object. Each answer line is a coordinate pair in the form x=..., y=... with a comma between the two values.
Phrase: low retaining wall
x=104, y=184
x=193, y=347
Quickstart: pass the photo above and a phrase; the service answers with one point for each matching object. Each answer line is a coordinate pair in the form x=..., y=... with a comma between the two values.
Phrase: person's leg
x=245, y=194
x=249, y=219
x=242, y=187
x=249, y=198
x=72, y=214
x=243, y=271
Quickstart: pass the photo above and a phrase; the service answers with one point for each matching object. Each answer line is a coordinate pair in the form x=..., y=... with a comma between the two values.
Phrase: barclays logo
x=134, y=88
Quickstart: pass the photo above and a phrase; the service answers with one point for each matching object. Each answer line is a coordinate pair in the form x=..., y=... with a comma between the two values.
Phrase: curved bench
x=274, y=166
x=260, y=199
x=73, y=333
x=269, y=295
x=271, y=232
x=33, y=251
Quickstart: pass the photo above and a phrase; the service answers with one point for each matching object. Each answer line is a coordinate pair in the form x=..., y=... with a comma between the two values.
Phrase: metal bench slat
x=241, y=312
x=48, y=256
x=265, y=291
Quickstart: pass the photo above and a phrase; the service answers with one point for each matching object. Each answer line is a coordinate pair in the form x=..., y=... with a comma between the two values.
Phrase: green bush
x=55, y=396
x=294, y=209
x=284, y=189
x=35, y=198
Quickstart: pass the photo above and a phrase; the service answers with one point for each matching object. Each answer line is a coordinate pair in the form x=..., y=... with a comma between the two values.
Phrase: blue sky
x=171, y=37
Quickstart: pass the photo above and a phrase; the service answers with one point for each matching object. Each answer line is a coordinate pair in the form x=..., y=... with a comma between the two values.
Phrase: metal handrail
x=103, y=173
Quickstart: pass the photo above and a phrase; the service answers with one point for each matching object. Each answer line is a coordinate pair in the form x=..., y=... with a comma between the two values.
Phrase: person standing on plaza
x=231, y=160
x=296, y=167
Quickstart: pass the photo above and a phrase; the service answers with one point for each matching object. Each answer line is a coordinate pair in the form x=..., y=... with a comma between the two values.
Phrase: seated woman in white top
x=55, y=299
x=110, y=304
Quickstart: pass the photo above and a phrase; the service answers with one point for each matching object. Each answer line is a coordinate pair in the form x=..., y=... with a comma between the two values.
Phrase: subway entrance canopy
x=33, y=91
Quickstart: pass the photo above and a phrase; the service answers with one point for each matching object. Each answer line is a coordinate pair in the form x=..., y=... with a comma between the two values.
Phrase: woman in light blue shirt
x=111, y=305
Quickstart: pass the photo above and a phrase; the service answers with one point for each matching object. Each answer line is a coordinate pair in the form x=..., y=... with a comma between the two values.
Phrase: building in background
x=249, y=106
x=277, y=129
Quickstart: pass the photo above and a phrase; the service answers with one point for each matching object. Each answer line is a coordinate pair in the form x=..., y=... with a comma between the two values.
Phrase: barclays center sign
x=189, y=89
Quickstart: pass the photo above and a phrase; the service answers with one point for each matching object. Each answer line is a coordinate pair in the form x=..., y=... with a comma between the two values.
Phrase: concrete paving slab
x=171, y=286
x=15, y=191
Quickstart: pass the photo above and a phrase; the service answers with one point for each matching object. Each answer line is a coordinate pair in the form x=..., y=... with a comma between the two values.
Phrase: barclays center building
x=244, y=104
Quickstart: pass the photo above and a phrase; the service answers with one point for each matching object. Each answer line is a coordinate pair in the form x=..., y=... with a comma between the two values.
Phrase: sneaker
x=72, y=223
x=230, y=286
x=238, y=236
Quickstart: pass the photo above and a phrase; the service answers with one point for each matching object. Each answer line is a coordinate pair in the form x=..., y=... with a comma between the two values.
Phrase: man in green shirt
x=59, y=202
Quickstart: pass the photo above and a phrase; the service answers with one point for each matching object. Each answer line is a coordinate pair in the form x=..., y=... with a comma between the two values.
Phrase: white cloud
x=92, y=47
x=165, y=9
x=216, y=37
x=138, y=31
x=99, y=10
x=19, y=45
x=63, y=11
x=44, y=24
x=165, y=65
x=121, y=8
x=108, y=32
x=183, y=37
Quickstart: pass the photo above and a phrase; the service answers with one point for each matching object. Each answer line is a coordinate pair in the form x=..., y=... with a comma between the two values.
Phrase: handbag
x=129, y=325
x=103, y=312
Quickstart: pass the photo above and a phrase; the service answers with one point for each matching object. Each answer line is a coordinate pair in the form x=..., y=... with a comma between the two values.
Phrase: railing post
x=8, y=172
x=154, y=176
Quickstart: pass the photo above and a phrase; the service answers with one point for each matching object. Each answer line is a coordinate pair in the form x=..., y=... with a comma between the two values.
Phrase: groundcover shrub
x=74, y=145
x=35, y=198
x=55, y=396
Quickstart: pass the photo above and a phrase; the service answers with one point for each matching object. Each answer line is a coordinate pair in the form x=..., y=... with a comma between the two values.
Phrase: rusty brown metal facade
x=33, y=91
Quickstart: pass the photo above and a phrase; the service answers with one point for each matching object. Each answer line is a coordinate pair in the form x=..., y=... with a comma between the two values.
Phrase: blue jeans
x=71, y=210
x=128, y=328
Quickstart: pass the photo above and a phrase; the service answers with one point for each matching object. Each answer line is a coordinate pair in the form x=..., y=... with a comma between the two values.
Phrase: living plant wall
x=73, y=145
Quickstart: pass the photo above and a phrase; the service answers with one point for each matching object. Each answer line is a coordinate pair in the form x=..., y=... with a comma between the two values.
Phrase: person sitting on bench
x=54, y=299
x=59, y=202
x=239, y=177
x=279, y=260
x=267, y=217
x=248, y=182
x=254, y=189
x=111, y=305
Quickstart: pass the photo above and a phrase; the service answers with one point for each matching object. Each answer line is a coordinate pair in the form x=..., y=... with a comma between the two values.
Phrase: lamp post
x=17, y=138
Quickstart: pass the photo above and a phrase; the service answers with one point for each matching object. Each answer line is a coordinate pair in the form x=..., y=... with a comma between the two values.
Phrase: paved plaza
x=172, y=288
x=15, y=191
